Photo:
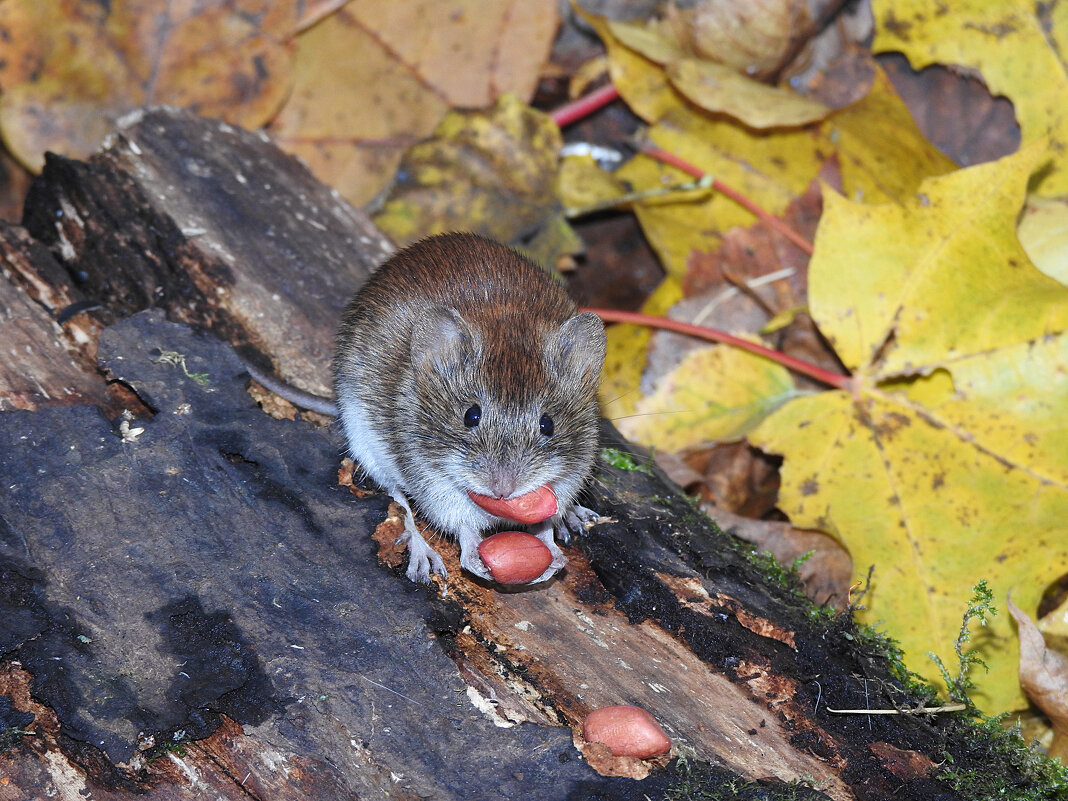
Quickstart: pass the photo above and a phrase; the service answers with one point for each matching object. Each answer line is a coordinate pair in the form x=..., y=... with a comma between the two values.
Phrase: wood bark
x=194, y=606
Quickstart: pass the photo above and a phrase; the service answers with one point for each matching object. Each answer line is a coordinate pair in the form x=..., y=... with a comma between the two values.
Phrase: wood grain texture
x=40, y=364
x=217, y=227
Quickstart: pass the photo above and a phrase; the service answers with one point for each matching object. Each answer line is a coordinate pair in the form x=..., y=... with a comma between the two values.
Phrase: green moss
x=176, y=745
x=1012, y=770
x=1040, y=778
x=176, y=359
x=980, y=607
x=875, y=643
x=700, y=781
x=785, y=576
x=621, y=460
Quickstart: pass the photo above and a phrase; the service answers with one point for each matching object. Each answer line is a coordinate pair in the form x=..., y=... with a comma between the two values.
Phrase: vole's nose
x=502, y=482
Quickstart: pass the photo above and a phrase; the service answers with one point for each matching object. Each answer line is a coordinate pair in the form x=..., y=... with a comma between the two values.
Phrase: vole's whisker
x=650, y=414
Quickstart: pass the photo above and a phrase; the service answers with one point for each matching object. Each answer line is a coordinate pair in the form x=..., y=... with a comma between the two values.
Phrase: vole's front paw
x=576, y=521
x=472, y=563
x=545, y=534
x=423, y=560
x=550, y=571
x=469, y=558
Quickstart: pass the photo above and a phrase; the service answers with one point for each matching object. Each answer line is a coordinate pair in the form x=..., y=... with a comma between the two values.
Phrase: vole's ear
x=578, y=347
x=442, y=342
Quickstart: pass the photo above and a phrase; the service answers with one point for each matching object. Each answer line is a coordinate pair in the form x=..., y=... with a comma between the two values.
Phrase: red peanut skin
x=514, y=557
x=534, y=507
x=627, y=730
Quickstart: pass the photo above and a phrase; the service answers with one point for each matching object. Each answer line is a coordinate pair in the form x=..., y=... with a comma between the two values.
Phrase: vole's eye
x=473, y=415
x=546, y=425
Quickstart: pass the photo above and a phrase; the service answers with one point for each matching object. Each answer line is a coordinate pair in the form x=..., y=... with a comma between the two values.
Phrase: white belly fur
x=367, y=447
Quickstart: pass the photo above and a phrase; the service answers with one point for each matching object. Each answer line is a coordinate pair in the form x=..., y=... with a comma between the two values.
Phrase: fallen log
x=195, y=604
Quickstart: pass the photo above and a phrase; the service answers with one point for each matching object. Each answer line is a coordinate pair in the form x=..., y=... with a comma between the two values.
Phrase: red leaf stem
x=585, y=105
x=769, y=219
x=598, y=98
x=715, y=335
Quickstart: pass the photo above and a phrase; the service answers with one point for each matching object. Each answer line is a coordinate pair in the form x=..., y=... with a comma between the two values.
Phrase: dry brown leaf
x=354, y=109
x=801, y=339
x=750, y=36
x=1044, y=677
x=735, y=478
x=70, y=69
x=836, y=65
x=375, y=78
x=469, y=51
x=825, y=575
x=757, y=250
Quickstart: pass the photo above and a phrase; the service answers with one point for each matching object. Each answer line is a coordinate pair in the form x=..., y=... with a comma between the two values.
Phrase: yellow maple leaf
x=882, y=152
x=715, y=394
x=640, y=80
x=717, y=88
x=770, y=169
x=1043, y=231
x=948, y=461
x=1016, y=45
x=620, y=390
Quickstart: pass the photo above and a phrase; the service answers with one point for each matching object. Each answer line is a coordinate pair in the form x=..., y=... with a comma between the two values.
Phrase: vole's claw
x=550, y=571
x=419, y=570
x=576, y=521
x=545, y=534
x=475, y=565
x=421, y=565
x=577, y=516
x=469, y=556
x=422, y=559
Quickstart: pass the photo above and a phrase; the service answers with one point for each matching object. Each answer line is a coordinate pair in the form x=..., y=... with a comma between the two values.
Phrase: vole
x=464, y=372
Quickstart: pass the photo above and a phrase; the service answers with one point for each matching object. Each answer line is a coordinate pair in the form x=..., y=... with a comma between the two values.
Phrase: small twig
x=745, y=289
x=923, y=710
x=862, y=592
x=598, y=98
x=731, y=291
x=715, y=335
x=387, y=689
x=769, y=219
x=645, y=194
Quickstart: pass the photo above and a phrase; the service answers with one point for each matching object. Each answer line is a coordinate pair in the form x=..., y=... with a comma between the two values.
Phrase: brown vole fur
x=462, y=367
